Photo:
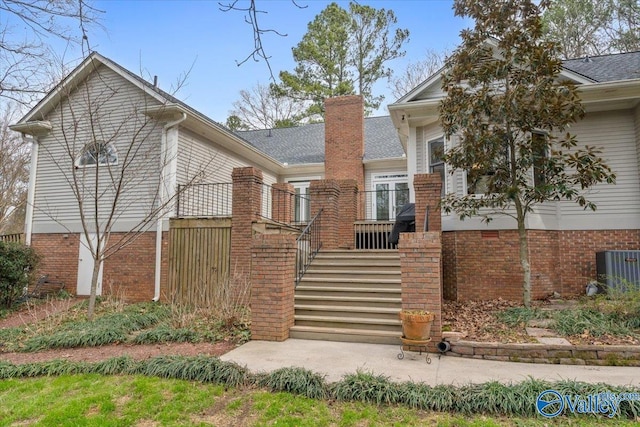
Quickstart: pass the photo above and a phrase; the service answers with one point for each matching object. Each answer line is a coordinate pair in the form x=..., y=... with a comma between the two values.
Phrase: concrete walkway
x=335, y=359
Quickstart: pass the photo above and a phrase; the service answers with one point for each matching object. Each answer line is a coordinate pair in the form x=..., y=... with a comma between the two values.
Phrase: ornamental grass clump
x=198, y=368
x=165, y=333
x=106, y=329
x=297, y=381
x=367, y=387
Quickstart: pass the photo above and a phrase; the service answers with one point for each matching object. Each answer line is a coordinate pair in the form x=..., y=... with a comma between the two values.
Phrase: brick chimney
x=344, y=138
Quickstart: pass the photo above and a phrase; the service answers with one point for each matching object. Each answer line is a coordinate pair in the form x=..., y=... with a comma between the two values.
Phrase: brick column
x=282, y=205
x=420, y=262
x=325, y=195
x=247, y=203
x=344, y=138
x=428, y=188
x=272, y=286
x=348, y=212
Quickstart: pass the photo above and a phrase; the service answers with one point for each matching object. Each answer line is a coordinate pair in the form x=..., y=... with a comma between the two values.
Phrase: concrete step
x=338, y=280
x=350, y=296
x=337, y=255
x=353, y=311
x=338, y=300
x=348, y=322
x=353, y=273
x=345, y=335
x=348, y=292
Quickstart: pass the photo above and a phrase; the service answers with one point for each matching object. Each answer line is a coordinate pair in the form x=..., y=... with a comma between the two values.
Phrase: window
x=97, y=153
x=540, y=155
x=391, y=192
x=436, y=164
x=489, y=179
x=478, y=183
x=302, y=208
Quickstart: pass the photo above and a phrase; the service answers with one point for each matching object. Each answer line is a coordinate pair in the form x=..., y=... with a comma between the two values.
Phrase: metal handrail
x=204, y=200
x=308, y=245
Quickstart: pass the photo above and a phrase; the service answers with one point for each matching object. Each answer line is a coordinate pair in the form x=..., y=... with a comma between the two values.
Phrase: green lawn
x=96, y=400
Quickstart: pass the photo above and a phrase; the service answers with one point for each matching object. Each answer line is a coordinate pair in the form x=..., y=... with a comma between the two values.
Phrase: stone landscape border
x=601, y=355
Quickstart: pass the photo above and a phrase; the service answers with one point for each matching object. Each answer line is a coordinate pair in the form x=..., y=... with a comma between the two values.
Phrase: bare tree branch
x=25, y=74
x=251, y=14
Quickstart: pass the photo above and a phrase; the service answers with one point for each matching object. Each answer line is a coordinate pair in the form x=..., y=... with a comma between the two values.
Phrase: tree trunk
x=94, y=289
x=524, y=262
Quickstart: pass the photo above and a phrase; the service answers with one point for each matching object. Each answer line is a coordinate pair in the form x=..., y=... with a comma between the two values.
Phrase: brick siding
x=486, y=264
x=272, y=286
x=128, y=274
x=247, y=203
x=420, y=261
x=344, y=138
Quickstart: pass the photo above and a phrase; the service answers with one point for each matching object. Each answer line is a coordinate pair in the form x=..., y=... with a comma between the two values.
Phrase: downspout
x=163, y=194
x=31, y=192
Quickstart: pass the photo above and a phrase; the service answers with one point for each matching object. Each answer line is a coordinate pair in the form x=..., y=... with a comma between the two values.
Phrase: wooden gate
x=199, y=259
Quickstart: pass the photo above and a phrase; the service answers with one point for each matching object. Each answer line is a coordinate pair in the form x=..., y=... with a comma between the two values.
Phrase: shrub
x=297, y=381
x=165, y=333
x=517, y=316
x=18, y=264
x=367, y=387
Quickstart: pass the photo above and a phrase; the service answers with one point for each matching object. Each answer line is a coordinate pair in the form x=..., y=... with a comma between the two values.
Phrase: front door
x=85, y=267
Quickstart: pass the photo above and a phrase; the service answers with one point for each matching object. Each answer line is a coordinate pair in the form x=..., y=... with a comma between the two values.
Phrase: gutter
x=31, y=192
x=163, y=195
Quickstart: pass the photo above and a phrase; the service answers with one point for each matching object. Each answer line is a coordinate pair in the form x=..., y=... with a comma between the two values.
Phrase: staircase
x=351, y=296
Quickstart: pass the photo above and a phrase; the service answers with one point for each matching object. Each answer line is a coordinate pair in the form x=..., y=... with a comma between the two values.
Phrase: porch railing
x=204, y=200
x=381, y=205
x=15, y=238
x=308, y=244
x=373, y=235
x=284, y=206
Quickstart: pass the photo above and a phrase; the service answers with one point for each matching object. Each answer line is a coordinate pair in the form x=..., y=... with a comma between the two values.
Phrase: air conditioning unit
x=619, y=269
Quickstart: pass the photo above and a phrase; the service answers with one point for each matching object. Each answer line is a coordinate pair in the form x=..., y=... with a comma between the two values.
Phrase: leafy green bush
x=18, y=264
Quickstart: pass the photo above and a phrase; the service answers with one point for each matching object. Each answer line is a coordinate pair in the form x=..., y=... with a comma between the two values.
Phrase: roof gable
x=79, y=74
x=605, y=68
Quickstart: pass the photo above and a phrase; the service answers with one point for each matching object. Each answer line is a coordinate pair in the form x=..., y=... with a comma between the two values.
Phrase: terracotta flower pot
x=416, y=325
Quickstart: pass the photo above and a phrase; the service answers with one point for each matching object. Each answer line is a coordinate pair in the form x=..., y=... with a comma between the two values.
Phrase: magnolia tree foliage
x=510, y=115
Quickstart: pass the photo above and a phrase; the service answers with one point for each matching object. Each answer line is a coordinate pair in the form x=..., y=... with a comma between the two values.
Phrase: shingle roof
x=607, y=68
x=305, y=144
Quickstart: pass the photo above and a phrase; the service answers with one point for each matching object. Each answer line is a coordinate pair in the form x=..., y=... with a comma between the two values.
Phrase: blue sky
x=168, y=37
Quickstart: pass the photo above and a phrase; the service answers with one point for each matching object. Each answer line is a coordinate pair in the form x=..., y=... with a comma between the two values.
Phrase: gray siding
x=108, y=108
x=618, y=205
x=202, y=158
x=615, y=132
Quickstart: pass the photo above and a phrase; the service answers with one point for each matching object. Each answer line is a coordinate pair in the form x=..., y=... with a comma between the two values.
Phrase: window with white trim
x=302, y=207
x=97, y=153
x=390, y=193
x=436, y=163
x=486, y=180
x=540, y=155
